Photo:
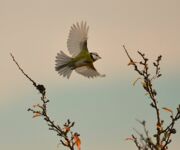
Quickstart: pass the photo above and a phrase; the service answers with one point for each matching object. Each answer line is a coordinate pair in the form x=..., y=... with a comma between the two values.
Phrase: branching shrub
x=68, y=138
x=163, y=136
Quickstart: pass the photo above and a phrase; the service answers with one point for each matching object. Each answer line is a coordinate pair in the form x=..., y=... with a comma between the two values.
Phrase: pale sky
x=104, y=109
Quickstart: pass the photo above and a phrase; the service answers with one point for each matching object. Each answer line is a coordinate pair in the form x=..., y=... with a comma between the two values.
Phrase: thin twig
x=65, y=134
x=161, y=142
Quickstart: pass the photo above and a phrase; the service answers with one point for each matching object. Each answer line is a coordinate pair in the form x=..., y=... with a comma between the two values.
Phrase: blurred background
x=104, y=109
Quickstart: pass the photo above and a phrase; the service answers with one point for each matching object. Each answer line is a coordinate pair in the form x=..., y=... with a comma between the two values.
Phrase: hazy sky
x=104, y=109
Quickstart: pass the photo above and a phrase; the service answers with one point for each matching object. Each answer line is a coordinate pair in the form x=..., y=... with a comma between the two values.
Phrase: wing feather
x=78, y=35
x=88, y=71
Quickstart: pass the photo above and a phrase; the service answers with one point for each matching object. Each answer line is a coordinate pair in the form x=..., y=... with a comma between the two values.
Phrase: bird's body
x=81, y=60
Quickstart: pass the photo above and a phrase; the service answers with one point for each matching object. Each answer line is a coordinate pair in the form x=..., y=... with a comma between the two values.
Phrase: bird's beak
x=99, y=57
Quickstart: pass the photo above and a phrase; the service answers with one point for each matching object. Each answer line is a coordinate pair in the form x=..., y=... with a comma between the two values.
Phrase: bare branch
x=65, y=134
x=162, y=136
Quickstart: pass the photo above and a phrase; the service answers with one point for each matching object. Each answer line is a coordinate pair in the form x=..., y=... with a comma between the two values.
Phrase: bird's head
x=95, y=56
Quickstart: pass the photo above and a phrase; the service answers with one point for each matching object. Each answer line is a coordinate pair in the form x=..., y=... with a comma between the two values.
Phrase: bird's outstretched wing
x=88, y=71
x=77, y=40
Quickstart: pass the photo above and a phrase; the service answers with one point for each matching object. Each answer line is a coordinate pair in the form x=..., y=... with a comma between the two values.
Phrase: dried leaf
x=167, y=110
x=77, y=141
x=131, y=63
x=37, y=114
x=136, y=81
x=67, y=129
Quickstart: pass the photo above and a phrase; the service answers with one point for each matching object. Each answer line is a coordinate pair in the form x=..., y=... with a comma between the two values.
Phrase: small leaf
x=131, y=63
x=37, y=114
x=67, y=129
x=77, y=141
x=167, y=110
x=134, y=83
x=129, y=139
x=144, y=86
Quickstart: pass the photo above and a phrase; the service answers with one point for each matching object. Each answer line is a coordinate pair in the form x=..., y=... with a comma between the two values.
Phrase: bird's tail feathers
x=62, y=66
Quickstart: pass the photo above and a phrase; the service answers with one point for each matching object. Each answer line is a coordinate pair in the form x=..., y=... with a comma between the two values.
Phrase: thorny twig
x=162, y=135
x=67, y=137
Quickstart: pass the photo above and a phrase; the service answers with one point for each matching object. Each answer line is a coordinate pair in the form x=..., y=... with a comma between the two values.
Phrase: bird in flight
x=82, y=60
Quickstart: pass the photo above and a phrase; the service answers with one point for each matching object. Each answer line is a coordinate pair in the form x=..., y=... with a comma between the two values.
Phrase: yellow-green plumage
x=81, y=60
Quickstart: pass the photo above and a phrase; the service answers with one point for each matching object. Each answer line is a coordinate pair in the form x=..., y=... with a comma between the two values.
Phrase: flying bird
x=82, y=60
